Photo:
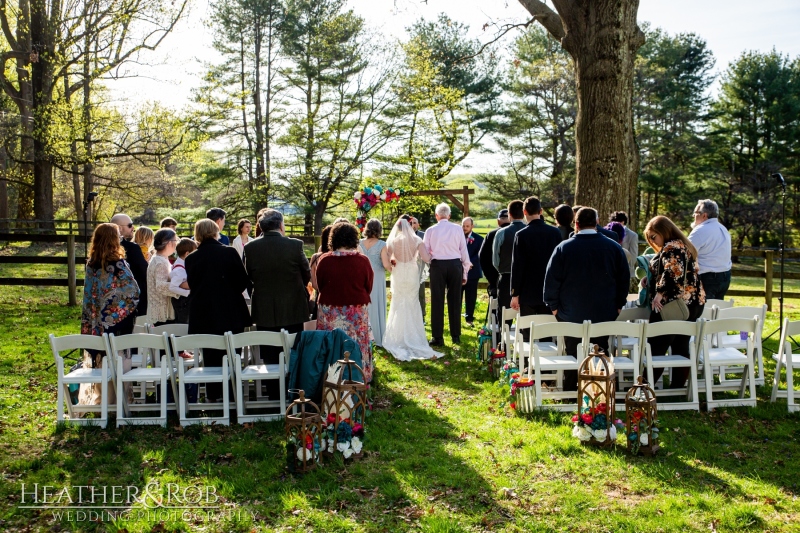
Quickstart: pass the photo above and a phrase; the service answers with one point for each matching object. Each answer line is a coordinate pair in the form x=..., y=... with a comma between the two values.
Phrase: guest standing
x=564, y=216
x=449, y=269
x=217, y=279
x=586, y=279
x=110, y=292
x=675, y=275
x=533, y=246
x=485, y=253
x=470, y=289
x=713, y=244
x=502, y=250
x=144, y=238
x=345, y=277
x=160, y=310
x=218, y=216
x=169, y=223
x=134, y=258
x=177, y=280
x=243, y=235
x=375, y=250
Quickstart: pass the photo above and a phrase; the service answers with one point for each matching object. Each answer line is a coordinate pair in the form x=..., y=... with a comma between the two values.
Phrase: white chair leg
x=282, y=380
x=182, y=400
x=776, y=379
x=789, y=381
x=164, y=395
x=708, y=375
x=226, y=413
x=104, y=394
x=752, y=378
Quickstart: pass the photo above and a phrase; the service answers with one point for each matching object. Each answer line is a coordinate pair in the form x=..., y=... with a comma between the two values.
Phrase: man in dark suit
x=218, y=215
x=280, y=273
x=586, y=279
x=470, y=289
x=485, y=253
x=134, y=257
x=533, y=246
x=502, y=247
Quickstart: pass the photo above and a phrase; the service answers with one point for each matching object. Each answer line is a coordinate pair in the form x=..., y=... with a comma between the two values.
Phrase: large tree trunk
x=602, y=37
x=42, y=79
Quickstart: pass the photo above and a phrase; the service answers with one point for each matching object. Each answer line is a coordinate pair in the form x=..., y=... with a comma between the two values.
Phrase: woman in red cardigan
x=344, y=278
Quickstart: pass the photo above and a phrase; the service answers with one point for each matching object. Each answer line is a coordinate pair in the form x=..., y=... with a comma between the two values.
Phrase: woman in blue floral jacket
x=110, y=294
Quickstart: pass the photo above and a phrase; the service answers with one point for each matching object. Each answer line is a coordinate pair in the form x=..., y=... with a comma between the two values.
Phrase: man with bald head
x=134, y=257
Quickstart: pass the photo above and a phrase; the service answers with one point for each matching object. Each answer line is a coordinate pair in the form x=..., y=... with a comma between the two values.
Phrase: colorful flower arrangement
x=593, y=423
x=369, y=197
x=348, y=437
x=642, y=426
x=309, y=451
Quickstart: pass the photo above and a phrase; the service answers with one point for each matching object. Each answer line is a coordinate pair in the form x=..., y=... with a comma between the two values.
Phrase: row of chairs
x=545, y=358
x=159, y=368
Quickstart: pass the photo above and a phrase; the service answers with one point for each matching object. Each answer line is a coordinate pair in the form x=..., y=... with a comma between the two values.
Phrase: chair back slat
x=525, y=322
x=609, y=329
x=78, y=342
x=559, y=329
x=201, y=341
x=138, y=340
x=730, y=324
x=720, y=304
x=509, y=314
x=633, y=314
x=179, y=330
x=672, y=327
x=256, y=338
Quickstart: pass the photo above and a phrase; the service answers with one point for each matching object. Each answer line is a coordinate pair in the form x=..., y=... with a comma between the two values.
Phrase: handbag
x=677, y=308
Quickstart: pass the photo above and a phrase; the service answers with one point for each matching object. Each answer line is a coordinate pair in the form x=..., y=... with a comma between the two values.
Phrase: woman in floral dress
x=675, y=275
x=344, y=278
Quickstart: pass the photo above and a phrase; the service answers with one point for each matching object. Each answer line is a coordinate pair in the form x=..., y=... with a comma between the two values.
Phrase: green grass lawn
x=443, y=455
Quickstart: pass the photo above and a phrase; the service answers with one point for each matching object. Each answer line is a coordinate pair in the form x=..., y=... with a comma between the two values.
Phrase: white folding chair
x=542, y=362
x=522, y=348
x=631, y=314
x=721, y=304
x=178, y=330
x=786, y=358
x=101, y=376
x=672, y=360
x=493, y=326
x=200, y=374
x=155, y=347
x=725, y=357
x=633, y=332
x=508, y=330
x=725, y=340
x=256, y=373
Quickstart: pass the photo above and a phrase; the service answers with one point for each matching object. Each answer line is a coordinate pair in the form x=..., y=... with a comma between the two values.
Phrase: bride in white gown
x=405, y=335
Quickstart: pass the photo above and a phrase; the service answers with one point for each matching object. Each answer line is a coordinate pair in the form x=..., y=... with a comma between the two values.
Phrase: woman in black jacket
x=217, y=279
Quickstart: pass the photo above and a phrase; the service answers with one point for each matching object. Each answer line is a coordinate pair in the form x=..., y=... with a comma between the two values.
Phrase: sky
x=730, y=27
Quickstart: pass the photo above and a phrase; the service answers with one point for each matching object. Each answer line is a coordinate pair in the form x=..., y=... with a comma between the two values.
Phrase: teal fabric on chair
x=311, y=356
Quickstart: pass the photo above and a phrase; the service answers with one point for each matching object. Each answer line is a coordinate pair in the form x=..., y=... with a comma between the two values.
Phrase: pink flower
x=575, y=418
x=587, y=419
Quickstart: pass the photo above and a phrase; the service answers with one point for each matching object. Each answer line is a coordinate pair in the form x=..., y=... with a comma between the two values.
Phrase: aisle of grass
x=442, y=456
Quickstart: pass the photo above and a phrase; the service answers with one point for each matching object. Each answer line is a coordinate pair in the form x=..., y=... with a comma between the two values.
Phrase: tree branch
x=546, y=17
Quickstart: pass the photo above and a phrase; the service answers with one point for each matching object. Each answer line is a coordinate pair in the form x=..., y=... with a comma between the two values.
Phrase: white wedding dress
x=405, y=336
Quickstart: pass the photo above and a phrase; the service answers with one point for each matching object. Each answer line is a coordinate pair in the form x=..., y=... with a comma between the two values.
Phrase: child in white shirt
x=177, y=281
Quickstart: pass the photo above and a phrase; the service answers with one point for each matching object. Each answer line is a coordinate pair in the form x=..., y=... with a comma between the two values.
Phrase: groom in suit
x=470, y=290
x=449, y=268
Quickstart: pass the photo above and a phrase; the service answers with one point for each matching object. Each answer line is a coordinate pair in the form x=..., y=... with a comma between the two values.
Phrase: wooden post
x=72, y=282
x=466, y=201
x=317, y=242
x=768, y=259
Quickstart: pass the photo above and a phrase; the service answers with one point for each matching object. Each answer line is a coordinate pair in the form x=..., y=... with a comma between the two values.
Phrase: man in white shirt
x=713, y=243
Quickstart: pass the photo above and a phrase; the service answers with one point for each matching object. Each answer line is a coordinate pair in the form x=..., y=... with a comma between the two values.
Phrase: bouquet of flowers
x=592, y=424
x=309, y=451
x=342, y=436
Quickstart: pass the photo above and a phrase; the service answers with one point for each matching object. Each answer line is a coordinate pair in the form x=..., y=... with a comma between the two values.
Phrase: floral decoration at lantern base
x=641, y=420
x=344, y=399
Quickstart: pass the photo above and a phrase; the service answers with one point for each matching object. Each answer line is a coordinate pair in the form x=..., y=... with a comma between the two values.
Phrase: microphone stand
x=781, y=250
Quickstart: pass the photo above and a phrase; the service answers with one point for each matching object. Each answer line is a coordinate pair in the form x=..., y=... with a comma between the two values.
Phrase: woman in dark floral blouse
x=675, y=275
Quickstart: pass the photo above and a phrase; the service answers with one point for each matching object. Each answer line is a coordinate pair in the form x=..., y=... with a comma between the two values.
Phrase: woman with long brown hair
x=675, y=275
x=110, y=294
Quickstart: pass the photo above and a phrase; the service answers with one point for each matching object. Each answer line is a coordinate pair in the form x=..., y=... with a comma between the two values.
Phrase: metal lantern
x=497, y=361
x=596, y=392
x=344, y=404
x=304, y=435
x=525, y=395
x=641, y=419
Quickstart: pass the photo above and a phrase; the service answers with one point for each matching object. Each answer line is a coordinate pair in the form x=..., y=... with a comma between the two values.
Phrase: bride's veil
x=403, y=242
